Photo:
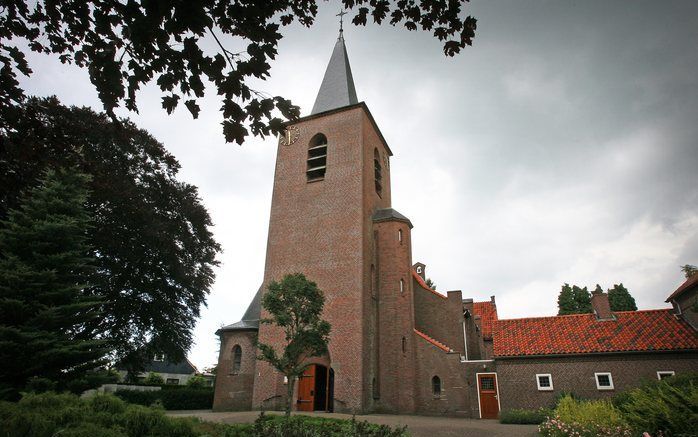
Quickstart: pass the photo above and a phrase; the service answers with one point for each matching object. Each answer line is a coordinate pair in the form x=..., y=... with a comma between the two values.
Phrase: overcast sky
x=561, y=147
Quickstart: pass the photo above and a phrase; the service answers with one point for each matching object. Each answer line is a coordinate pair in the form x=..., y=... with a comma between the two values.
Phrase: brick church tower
x=331, y=219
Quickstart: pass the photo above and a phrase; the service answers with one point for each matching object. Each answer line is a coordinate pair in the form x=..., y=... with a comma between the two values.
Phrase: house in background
x=591, y=355
x=685, y=301
x=171, y=373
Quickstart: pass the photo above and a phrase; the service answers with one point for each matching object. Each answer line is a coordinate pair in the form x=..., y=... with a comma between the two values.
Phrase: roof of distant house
x=184, y=367
x=488, y=315
x=632, y=331
x=689, y=284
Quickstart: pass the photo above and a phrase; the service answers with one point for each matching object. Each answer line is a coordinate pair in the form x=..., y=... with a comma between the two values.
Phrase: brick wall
x=233, y=391
x=438, y=316
x=517, y=383
x=455, y=391
x=324, y=230
x=396, y=367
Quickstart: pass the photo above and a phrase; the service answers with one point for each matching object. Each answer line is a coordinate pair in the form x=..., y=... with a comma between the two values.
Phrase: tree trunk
x=289, y=395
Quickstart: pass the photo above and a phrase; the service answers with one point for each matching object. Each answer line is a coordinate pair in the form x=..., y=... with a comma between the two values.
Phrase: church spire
x=337, y=89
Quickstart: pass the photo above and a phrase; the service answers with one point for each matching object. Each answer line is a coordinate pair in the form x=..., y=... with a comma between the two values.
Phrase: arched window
x=402, y=286
x=377, y=170
x=317, y=158
x=436, y=386
x=237, y=358
x=404, y=345
x=399, y=235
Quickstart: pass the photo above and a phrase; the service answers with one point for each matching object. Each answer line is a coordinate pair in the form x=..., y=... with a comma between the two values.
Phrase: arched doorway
x=316, y=389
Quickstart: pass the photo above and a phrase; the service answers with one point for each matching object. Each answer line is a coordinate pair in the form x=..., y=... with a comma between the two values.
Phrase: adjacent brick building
x=396, y=345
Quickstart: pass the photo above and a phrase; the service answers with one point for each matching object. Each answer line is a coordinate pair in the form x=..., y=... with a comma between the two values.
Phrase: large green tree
x=48, y=307
x=150, y=233
x=620, y=299
x=573, y=300
x=184, y=46
x=295, y=306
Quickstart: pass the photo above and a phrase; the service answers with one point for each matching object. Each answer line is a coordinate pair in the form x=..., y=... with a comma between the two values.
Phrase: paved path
x=418, y=426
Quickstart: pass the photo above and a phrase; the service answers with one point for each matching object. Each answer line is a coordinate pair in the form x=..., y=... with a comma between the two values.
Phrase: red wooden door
x=306, y=389
x=489, y=404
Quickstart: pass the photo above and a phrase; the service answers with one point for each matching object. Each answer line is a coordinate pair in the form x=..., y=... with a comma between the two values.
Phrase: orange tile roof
x=633, y=331
x=488, y=315
x=432, y=341
x=687, y=285
x=424, y=285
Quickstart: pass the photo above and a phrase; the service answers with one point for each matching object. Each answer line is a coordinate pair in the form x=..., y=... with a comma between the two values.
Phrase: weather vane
x=341, y=20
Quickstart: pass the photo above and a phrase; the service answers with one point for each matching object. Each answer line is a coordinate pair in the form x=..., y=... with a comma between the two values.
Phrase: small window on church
x=399, y=235
x=404, y=345
x=402, y=286
x=237, y=358
x=436, y=386
x=377, y=170
x=317, y=158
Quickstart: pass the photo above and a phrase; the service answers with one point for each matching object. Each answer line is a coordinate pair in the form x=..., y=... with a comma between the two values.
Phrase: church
x=396, y=345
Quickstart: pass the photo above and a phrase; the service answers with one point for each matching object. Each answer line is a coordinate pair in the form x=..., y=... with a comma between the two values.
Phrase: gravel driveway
x=418, y=426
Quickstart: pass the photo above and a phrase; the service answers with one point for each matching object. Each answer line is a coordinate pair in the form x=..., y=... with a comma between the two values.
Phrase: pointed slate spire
x=337, y=89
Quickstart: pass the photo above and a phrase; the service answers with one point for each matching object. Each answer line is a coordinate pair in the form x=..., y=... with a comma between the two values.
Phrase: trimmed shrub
x=178, y=399
x=526, y=417
x=305, y=426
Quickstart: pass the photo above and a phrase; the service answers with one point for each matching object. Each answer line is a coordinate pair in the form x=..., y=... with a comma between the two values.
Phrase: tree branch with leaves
x=127, y=44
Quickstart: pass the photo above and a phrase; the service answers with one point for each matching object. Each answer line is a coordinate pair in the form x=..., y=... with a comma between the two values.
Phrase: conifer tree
x=620, y=299
x=565, y=301
x=46, y=308
x=582, y=299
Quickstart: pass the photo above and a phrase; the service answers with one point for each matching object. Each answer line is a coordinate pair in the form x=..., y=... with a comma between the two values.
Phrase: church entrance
x=316, y=389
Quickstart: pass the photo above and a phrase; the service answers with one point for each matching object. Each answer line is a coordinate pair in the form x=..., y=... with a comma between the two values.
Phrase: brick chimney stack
x=600, y=305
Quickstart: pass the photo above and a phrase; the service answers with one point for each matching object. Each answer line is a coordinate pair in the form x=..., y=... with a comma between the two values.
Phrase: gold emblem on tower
x=289, y=136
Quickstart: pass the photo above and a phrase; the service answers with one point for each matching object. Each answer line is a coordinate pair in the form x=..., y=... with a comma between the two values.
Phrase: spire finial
x=341, y=15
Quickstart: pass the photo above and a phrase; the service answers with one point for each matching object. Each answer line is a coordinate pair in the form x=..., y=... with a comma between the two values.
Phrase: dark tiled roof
x=337, y=89
x=183, y=367
x=250, y=320
x=632, y=331
x=488, y=315
x=690, y=283
x=390, y=214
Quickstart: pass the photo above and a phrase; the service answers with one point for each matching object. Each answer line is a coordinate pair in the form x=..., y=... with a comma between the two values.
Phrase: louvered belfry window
x=317, y=158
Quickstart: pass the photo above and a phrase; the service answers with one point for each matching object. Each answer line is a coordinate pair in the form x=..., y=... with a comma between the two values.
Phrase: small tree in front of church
x=295, y=306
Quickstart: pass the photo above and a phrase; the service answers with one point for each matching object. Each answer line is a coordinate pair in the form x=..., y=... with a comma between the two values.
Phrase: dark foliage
x=150, y=233
x=48, y=307
x=667, y=407
x=525, y=417
x=689, y=270
x=125, y=45
x=304, y=426
x=181, y=399
x=620, y=299
x=573, y=300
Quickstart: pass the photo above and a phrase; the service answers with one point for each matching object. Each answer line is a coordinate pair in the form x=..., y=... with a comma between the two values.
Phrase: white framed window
x=604, y=380
x=159, y=357
x=544, y=381
x=419, y=270
x=664, y=374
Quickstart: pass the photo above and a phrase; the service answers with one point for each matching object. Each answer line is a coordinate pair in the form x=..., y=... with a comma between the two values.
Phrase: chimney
x=600, y=305
x=421, y=270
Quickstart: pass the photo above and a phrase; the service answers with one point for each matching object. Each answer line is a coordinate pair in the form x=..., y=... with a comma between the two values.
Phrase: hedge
x=104, y=415
x=526, y=417
x=178, y=399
